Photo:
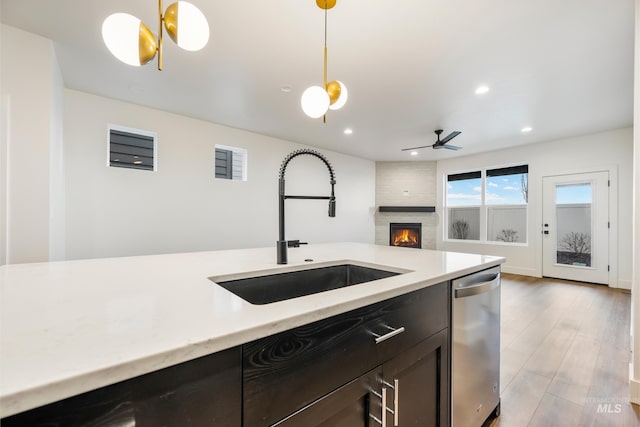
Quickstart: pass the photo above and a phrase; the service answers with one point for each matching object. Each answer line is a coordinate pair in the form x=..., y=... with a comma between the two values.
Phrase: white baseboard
x=634, y=387
x=523, y=271
x=623, y=284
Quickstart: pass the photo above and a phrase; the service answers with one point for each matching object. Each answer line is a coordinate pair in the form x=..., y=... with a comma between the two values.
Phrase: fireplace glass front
x=405, y=234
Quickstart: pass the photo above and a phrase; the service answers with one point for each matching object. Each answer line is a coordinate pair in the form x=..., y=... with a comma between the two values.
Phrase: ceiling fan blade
x=450, y=137
x=415, y=148
x=451, y=147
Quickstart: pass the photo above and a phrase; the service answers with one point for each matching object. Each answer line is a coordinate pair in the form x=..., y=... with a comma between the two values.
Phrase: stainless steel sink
x=265, y=289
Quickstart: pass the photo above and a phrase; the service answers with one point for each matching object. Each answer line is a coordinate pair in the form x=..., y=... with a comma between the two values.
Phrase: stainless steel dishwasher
x=475, y=375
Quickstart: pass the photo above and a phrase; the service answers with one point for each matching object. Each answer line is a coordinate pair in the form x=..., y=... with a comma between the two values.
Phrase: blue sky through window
x=501, y=190
x=573, y=193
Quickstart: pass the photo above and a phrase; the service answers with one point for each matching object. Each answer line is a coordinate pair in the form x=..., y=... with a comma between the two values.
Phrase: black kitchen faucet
x=282, y=244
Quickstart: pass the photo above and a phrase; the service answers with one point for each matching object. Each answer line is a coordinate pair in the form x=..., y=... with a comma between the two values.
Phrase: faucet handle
x=295, y=243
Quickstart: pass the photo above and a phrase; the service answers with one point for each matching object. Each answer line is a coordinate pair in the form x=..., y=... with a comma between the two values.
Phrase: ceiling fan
x=440, y=143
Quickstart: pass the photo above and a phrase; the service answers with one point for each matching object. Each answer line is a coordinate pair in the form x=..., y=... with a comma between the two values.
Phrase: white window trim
x=483, y=240
x=245, y=161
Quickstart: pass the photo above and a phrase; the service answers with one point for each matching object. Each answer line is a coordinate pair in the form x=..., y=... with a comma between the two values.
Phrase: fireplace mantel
x=426, y=209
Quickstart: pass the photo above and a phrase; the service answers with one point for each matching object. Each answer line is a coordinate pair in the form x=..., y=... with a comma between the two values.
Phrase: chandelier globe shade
x=187, y=26
x=315, y=101
x=129, y=39
x=338, y=96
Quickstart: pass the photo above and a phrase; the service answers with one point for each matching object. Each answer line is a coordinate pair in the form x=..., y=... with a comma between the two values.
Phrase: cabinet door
x=351, y=405
x=285, y=372
x=417, y=385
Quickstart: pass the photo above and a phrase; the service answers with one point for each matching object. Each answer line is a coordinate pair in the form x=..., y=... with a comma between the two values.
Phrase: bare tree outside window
x=507, y=235
x=576, y=249
x=524, y=187
x=460, y=229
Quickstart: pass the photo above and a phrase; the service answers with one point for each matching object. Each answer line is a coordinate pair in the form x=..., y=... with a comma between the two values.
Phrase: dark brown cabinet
x=349, y=406
x=417, y=386
x=404, y=338
x=412, y=387
x=201, y=392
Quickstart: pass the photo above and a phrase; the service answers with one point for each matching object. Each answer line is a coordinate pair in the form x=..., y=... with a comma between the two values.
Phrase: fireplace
x=405, y=234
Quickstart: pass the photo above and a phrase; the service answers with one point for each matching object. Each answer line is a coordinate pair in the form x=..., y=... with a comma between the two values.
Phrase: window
x=132, y=148
x=488, y=205
x=506, y=195
x=464, y=200
x=231, y=163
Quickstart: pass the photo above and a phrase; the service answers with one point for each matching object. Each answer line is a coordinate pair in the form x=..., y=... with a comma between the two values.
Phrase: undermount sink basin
x=270, y=288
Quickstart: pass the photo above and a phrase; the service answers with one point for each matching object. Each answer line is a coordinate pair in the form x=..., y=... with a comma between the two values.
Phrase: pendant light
x=133, y=43
x=316, y=100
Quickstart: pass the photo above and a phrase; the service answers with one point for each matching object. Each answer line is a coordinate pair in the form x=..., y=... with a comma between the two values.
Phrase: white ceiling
x=563, y=67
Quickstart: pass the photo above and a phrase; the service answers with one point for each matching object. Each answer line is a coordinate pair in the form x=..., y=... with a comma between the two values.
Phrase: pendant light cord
x=160, y=22
x=325, y=46
x=324, y=80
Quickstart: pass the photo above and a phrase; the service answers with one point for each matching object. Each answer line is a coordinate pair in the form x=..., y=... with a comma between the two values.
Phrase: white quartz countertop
x=74, y=326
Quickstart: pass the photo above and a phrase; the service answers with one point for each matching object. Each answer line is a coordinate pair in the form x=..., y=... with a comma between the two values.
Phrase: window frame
x=233, y=150
x=483, y=207
x=134, y=131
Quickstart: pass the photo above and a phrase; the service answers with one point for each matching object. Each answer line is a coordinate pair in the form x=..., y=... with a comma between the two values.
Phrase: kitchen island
x=75, y=326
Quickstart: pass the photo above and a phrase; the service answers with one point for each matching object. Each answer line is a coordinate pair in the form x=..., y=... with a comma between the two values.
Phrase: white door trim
x=613, y=216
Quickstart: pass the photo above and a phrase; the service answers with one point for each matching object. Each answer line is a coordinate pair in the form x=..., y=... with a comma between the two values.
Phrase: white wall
x=634, y=380
x=57, y=200
x=613, y=149
x=31, y=147
x=181, y=207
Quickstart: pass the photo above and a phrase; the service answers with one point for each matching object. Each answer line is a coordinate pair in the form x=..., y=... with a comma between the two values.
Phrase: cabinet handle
x=388, y=335
x=394, y=411
x=384, y=407
x=396, y=405
x=374, y=418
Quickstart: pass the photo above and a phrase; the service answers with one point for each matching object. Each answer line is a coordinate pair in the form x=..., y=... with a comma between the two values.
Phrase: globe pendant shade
x=315, y=102
x=338, y=94
x=187, y=26
x=128, y=39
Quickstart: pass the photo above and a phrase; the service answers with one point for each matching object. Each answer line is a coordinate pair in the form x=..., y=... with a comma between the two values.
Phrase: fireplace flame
x=405, y=237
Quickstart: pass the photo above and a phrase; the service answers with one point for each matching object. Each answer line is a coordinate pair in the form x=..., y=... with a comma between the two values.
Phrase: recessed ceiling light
x=526, y=129
x=482, y=90
x=348, y=131
x=285, y=88
x=414, y=153
x=137, y=162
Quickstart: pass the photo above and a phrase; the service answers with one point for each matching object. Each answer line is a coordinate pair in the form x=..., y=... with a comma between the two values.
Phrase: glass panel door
x=575, y=230
x=574, y=227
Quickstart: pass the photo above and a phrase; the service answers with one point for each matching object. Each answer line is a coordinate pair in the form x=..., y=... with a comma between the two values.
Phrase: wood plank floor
x=565, y=354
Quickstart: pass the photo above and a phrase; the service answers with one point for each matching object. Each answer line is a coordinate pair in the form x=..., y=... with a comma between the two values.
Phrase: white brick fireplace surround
x=406, y=184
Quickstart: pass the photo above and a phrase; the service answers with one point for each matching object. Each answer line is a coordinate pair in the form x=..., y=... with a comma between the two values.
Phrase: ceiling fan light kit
x=316, y=100
x=133, y=43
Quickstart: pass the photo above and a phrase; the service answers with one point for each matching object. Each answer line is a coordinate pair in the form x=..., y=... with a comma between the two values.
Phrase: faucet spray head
x=332, y=207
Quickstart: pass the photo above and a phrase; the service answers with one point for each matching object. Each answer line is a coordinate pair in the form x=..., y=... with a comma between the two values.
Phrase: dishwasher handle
x=486, y=285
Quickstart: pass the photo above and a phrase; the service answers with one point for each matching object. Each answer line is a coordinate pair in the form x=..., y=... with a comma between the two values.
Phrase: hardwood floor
x=565, y=354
